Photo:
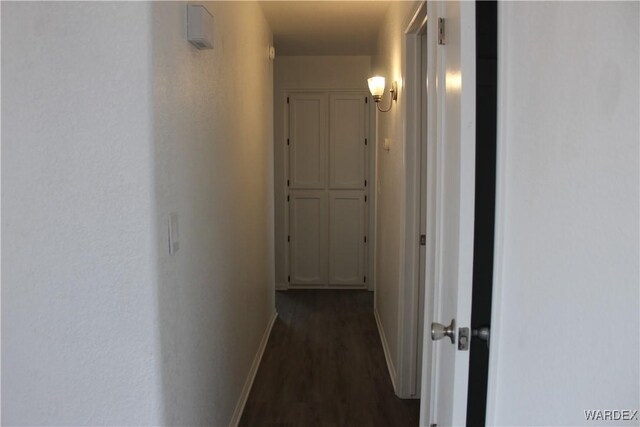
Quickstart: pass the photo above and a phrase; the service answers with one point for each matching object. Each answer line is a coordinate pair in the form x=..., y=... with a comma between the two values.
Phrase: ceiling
x=325, y=27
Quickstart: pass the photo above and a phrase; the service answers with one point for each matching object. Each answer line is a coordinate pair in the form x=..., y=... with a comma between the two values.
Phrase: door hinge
x=288, y=198
x=366, y=100
x=365, y=239
x=287, y=141
x=287, y=183
x=423, y=240
x=365, y=141
x=288, y=238
x=365, y=182
x=365, y=199
x=441, y=39
x=287, y=99
x=365, y=279
x=288, y=279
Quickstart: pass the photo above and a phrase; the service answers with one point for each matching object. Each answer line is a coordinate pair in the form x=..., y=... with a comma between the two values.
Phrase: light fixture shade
x=376, y=86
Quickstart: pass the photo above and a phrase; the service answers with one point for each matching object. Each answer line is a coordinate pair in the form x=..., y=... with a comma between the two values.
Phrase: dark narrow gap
x=486, y=114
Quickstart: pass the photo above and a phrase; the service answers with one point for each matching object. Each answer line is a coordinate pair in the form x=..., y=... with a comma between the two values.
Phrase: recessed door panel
x=347, y=149
x=307, y=141
x=346, y=238
x=308, y=238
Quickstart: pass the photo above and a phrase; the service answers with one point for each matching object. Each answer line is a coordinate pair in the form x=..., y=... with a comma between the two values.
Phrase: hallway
x=177, y=176
x=324, y=365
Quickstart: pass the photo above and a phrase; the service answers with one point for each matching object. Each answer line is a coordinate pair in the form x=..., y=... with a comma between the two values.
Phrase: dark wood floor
x=324, y=366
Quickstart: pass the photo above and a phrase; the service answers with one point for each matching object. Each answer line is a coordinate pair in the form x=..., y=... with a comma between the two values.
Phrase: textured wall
x=214, y=168
x=112, y=120
x=305, y=72
x=390, y=206
x=78, y=277
x=568, y=198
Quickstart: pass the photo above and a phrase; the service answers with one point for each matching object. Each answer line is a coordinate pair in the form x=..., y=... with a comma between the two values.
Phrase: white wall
x=213, y=153
x=566, y=284
x=79, y=309
x=390, y=206
x=305, y=72
x=111, y=120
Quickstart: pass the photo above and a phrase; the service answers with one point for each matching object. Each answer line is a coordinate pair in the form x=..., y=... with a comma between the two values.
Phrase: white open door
x=454, y=123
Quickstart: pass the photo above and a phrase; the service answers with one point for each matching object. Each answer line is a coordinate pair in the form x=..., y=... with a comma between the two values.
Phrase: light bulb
x=376, y=87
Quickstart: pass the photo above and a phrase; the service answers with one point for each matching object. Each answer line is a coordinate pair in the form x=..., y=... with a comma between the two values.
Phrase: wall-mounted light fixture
x=376, y=87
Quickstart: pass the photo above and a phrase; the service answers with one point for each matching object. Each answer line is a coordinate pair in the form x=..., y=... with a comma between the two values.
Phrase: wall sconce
x=376, y=87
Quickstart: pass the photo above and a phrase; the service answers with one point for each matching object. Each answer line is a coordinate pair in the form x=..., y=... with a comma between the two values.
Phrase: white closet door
x=347, y=150
x=327, y=161
x=308, y=141
x=308, y=238
x=346, y=238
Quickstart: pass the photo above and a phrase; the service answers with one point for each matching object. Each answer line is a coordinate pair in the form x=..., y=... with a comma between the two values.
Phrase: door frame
x=413, y=290
x=500, y=222
x=371, y=192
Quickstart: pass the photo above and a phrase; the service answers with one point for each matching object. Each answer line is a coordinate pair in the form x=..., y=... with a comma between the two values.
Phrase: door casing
x=412, y=289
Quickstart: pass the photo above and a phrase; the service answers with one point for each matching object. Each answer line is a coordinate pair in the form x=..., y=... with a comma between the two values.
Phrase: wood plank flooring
x=324, y=366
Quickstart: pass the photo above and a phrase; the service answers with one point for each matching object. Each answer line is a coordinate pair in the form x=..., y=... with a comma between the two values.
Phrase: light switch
x=387, y=144
x=174, y=244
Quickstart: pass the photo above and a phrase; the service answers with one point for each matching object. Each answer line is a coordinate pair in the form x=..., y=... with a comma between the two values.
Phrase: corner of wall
x=391, y=206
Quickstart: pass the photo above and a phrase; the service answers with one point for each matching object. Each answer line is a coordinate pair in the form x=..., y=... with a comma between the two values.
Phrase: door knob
x=439, y=331
x=484, y=334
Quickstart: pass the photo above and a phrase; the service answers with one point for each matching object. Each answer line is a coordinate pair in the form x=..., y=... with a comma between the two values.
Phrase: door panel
x=455, y=195
x=347, y=150
x=308, y=234
x=327, y=160
x=308, y=141
x=346, y=238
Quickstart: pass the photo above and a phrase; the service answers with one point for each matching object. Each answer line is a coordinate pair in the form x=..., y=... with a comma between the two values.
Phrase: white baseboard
x=387, y=353
x=242, y=401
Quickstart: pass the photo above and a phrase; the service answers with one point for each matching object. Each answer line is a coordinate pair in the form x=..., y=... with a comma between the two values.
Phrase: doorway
x=486, y=102
x=462, y=144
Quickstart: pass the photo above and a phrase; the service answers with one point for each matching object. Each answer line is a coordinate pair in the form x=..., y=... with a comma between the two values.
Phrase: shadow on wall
x=213, y=168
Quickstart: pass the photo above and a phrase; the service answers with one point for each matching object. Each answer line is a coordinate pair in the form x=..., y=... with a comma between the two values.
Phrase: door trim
x=411, y=290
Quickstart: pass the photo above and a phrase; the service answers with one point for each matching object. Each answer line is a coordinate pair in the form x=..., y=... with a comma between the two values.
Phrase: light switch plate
x=174, y=244
x=387, y=144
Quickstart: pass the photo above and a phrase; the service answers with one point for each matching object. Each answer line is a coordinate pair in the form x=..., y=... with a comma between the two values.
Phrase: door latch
x=463, y=339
